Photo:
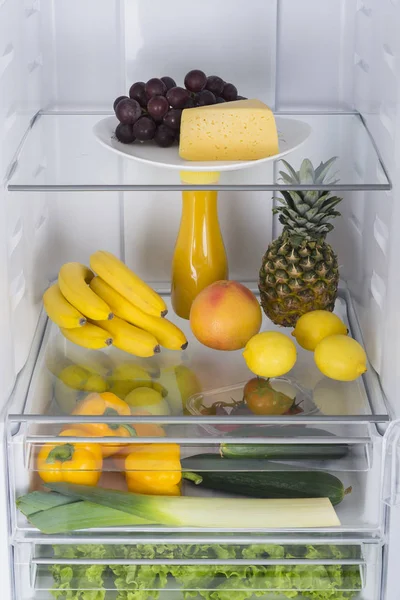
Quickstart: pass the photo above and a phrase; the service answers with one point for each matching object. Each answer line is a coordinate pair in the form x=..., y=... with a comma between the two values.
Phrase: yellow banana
x=129, y=338
x=73, y=280
x=167, y=334
x=88, y=336
x=60, y=310
x=130, y=286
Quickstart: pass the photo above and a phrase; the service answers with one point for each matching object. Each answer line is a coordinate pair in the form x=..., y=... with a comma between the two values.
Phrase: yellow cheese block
x=240, y=130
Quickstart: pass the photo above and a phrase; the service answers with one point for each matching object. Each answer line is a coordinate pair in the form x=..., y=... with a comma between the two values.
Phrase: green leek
x=81, y=515
x=37, y=501
x=222, y=513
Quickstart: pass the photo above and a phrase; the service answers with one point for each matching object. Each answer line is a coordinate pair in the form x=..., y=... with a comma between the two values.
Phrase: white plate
x=292, y=134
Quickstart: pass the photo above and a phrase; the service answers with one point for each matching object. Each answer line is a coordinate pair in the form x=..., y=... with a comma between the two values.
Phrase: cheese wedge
x=240, y=130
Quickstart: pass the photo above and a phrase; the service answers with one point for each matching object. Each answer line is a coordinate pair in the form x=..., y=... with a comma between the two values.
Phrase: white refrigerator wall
x=23, y=224
x=69, y=55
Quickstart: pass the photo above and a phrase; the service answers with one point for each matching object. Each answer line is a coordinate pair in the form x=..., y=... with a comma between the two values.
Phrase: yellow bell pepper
x=92, y=447
x=147, y=429
x=109, y=405
x=70, y=463
x=154, y=469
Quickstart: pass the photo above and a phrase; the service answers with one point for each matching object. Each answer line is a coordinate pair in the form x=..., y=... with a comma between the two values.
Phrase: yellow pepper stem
x=111, y=412
x=62, y=453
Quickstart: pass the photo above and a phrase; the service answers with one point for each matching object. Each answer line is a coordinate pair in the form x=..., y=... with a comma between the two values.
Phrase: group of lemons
x=338, y=356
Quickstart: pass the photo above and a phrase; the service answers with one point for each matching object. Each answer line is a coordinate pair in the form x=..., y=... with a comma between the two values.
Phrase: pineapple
x=300, y=271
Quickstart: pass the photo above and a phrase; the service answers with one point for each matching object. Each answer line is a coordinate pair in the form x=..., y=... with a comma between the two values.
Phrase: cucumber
x=272, y=451
x=216, y=473
x=279, y=431
x=284, y=451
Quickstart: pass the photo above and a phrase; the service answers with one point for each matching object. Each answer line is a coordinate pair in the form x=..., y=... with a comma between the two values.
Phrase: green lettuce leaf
x=79, y=582
x=210, y=582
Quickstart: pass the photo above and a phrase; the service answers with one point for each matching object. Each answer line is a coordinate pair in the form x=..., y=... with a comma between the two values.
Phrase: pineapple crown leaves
x=307, y=214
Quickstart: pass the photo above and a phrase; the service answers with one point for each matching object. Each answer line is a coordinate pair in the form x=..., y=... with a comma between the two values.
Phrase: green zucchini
x=216, y=473
x=279, y=431
x=284, y=451
x=272, y=451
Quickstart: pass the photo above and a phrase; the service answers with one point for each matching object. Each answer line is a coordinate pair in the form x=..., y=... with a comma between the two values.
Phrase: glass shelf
x=343, y=408
x=60, y=153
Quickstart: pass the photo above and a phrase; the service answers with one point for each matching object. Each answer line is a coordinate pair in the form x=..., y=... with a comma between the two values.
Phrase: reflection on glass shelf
x=61, y=153
x=192, y=379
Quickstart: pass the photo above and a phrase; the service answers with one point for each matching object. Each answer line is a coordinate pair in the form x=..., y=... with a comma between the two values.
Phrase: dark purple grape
x=204, y=98
x=119, y=100
x=241, y=98
x=144, y=129
x=173, y=119
x=220, y=100
x=240, y=409
x=157, y=107
x=164, y=136
x=229, y=92
x=124, y=133
x=190, y=103
x=128, y=111
x=137, y=92
x=215, y=85
x=177, y=97
x=169, y=82
x=195, y=81
x=221, y=410
x=155, y=87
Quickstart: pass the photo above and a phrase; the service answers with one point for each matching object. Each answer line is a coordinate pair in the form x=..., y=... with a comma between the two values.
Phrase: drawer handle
x=196, y=561
x=43, y=439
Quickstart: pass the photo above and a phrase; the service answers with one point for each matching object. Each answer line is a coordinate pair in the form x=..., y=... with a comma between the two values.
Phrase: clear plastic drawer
x=217, y=571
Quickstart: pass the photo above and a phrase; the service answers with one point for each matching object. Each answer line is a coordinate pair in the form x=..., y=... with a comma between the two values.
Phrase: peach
x=225, y=315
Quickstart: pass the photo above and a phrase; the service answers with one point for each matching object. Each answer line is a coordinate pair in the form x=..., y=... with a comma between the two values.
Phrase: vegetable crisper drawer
x=194, y=488
x=215, y=571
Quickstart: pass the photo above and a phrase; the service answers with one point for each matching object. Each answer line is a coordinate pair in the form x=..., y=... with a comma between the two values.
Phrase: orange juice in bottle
x=199, y=257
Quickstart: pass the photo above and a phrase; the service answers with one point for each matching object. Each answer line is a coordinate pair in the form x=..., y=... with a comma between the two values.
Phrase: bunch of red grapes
x=153, y=110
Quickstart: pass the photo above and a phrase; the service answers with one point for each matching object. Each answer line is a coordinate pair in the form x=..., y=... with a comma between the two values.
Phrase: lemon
x=314, y=326
x=149, y=400
x=270, y=354
x=340, y=357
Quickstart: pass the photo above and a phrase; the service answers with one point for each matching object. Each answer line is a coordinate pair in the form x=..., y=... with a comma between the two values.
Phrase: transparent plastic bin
x=229, y=396
x=175, y=570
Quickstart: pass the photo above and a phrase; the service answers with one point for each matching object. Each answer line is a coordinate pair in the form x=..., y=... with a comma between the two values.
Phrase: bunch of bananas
x=113, y=307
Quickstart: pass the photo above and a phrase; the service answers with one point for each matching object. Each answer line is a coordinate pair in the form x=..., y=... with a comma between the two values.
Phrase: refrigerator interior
x=63, y=196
